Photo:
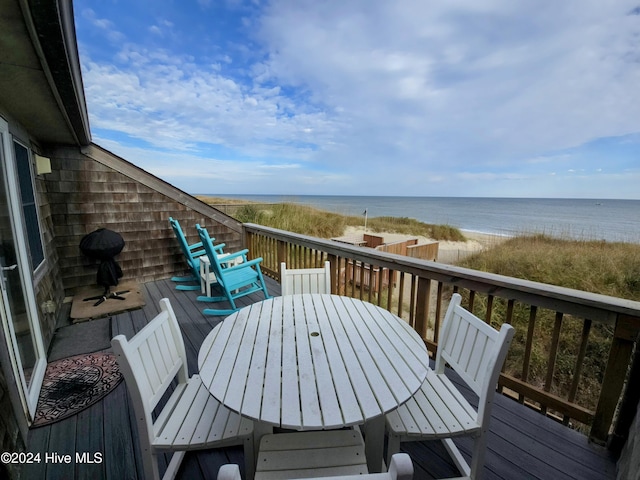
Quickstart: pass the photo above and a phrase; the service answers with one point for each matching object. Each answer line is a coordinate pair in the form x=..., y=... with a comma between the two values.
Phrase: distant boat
x=598, y=203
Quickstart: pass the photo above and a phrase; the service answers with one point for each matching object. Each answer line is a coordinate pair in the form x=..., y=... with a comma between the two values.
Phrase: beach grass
x=608, y=268
x=319, y=223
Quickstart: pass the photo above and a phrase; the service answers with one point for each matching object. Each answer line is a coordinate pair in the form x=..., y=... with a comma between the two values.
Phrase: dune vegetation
x=319, y=223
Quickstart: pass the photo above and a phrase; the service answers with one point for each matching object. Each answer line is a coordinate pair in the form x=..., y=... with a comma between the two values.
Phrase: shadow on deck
x=522, y=444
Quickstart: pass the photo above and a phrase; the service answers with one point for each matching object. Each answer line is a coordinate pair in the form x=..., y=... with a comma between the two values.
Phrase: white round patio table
x=313, y=362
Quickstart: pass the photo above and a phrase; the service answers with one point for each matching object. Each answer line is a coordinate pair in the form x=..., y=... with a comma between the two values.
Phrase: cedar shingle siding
x=97, y=189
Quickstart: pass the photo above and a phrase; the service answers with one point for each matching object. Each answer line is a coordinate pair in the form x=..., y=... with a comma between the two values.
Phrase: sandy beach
x=448, y=252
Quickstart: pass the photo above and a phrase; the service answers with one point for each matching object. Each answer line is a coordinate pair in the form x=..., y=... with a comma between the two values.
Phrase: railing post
x=626, y=332
x=246, y=238
x=282, y=256
x=333, y=267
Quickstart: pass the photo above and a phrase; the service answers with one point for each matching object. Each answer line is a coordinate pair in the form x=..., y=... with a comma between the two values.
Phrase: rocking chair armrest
x=249, y=263
x=230, y=256
x=219, y=246
x=195, y=245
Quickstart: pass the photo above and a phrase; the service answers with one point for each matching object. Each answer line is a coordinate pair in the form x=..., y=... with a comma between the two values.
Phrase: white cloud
x=361, y=90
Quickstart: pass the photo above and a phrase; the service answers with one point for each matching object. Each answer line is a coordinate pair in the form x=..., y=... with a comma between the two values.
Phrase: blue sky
x=448, y=98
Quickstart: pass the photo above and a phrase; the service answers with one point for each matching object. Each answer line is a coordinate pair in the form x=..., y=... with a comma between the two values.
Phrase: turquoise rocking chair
x=191, y=254
x=235, y=280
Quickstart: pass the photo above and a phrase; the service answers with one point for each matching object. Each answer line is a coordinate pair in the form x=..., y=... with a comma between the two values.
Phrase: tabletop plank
x=305, y=323
x=330, y=408
x=244, y=328
x=367, y=352
x=341, y=387
x=291, y=416
x=252, y=405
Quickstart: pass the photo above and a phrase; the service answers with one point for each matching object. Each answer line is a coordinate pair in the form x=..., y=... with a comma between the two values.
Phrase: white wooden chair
x=305, y=280
x=476, y=351
x=329, y=455
x=191, y=419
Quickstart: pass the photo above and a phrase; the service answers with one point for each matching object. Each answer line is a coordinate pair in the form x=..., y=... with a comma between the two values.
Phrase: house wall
x=98, y=189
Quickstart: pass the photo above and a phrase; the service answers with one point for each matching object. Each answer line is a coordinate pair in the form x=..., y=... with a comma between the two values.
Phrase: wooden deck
x=522, y=444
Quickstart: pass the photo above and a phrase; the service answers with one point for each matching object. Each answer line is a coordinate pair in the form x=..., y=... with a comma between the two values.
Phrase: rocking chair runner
x=234, y=280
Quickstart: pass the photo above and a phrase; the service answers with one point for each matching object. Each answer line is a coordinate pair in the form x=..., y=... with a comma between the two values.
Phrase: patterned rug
x=72, y=384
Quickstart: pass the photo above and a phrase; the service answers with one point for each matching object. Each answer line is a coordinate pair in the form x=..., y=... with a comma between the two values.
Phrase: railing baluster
x=489, y=312
x=390, y=291
x=527, y=348
x=553, y=356
x=472, y=299
x=412, y=301
x=401, y=295
x=586, y=329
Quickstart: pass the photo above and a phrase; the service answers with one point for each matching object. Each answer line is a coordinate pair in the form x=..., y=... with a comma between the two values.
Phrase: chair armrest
x=195, y=245
x=401, y=467
x=229, y=472
x=249, y=263
x=219, y=246
x=230, y=256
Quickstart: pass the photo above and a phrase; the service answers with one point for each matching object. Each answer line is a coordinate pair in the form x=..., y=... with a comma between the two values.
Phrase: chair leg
x=249, y=458
x=478, y=455
x=457, y=457
x=264, y=285
x=174, y=465
x=150, y=465
x=393, y=446
x=188, y=287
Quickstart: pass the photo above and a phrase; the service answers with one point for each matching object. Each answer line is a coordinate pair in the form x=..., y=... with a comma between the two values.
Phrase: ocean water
x=586, y=219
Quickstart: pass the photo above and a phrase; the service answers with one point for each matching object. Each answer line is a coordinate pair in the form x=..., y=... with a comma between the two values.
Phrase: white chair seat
x=193, y=419
x=437, y=410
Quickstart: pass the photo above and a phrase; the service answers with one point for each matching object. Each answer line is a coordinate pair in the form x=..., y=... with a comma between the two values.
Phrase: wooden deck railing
x=420, y=290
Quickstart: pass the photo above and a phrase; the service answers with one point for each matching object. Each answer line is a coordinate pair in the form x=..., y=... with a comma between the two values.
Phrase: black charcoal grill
x=103, y=245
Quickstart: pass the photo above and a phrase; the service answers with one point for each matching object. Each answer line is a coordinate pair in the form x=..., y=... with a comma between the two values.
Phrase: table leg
x=374, y=443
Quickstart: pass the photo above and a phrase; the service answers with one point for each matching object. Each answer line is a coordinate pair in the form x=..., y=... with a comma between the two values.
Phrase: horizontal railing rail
x=572, y=349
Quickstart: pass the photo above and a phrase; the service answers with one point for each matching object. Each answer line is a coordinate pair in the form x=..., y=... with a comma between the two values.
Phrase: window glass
x=29, y=206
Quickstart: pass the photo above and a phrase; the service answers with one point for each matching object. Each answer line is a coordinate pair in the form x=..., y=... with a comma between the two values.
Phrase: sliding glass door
x=17, y=298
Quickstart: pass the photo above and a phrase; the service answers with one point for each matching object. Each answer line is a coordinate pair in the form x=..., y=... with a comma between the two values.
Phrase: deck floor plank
x=522, y=443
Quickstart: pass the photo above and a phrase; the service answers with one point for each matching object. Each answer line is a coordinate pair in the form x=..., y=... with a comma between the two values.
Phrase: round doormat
x=72, y=384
